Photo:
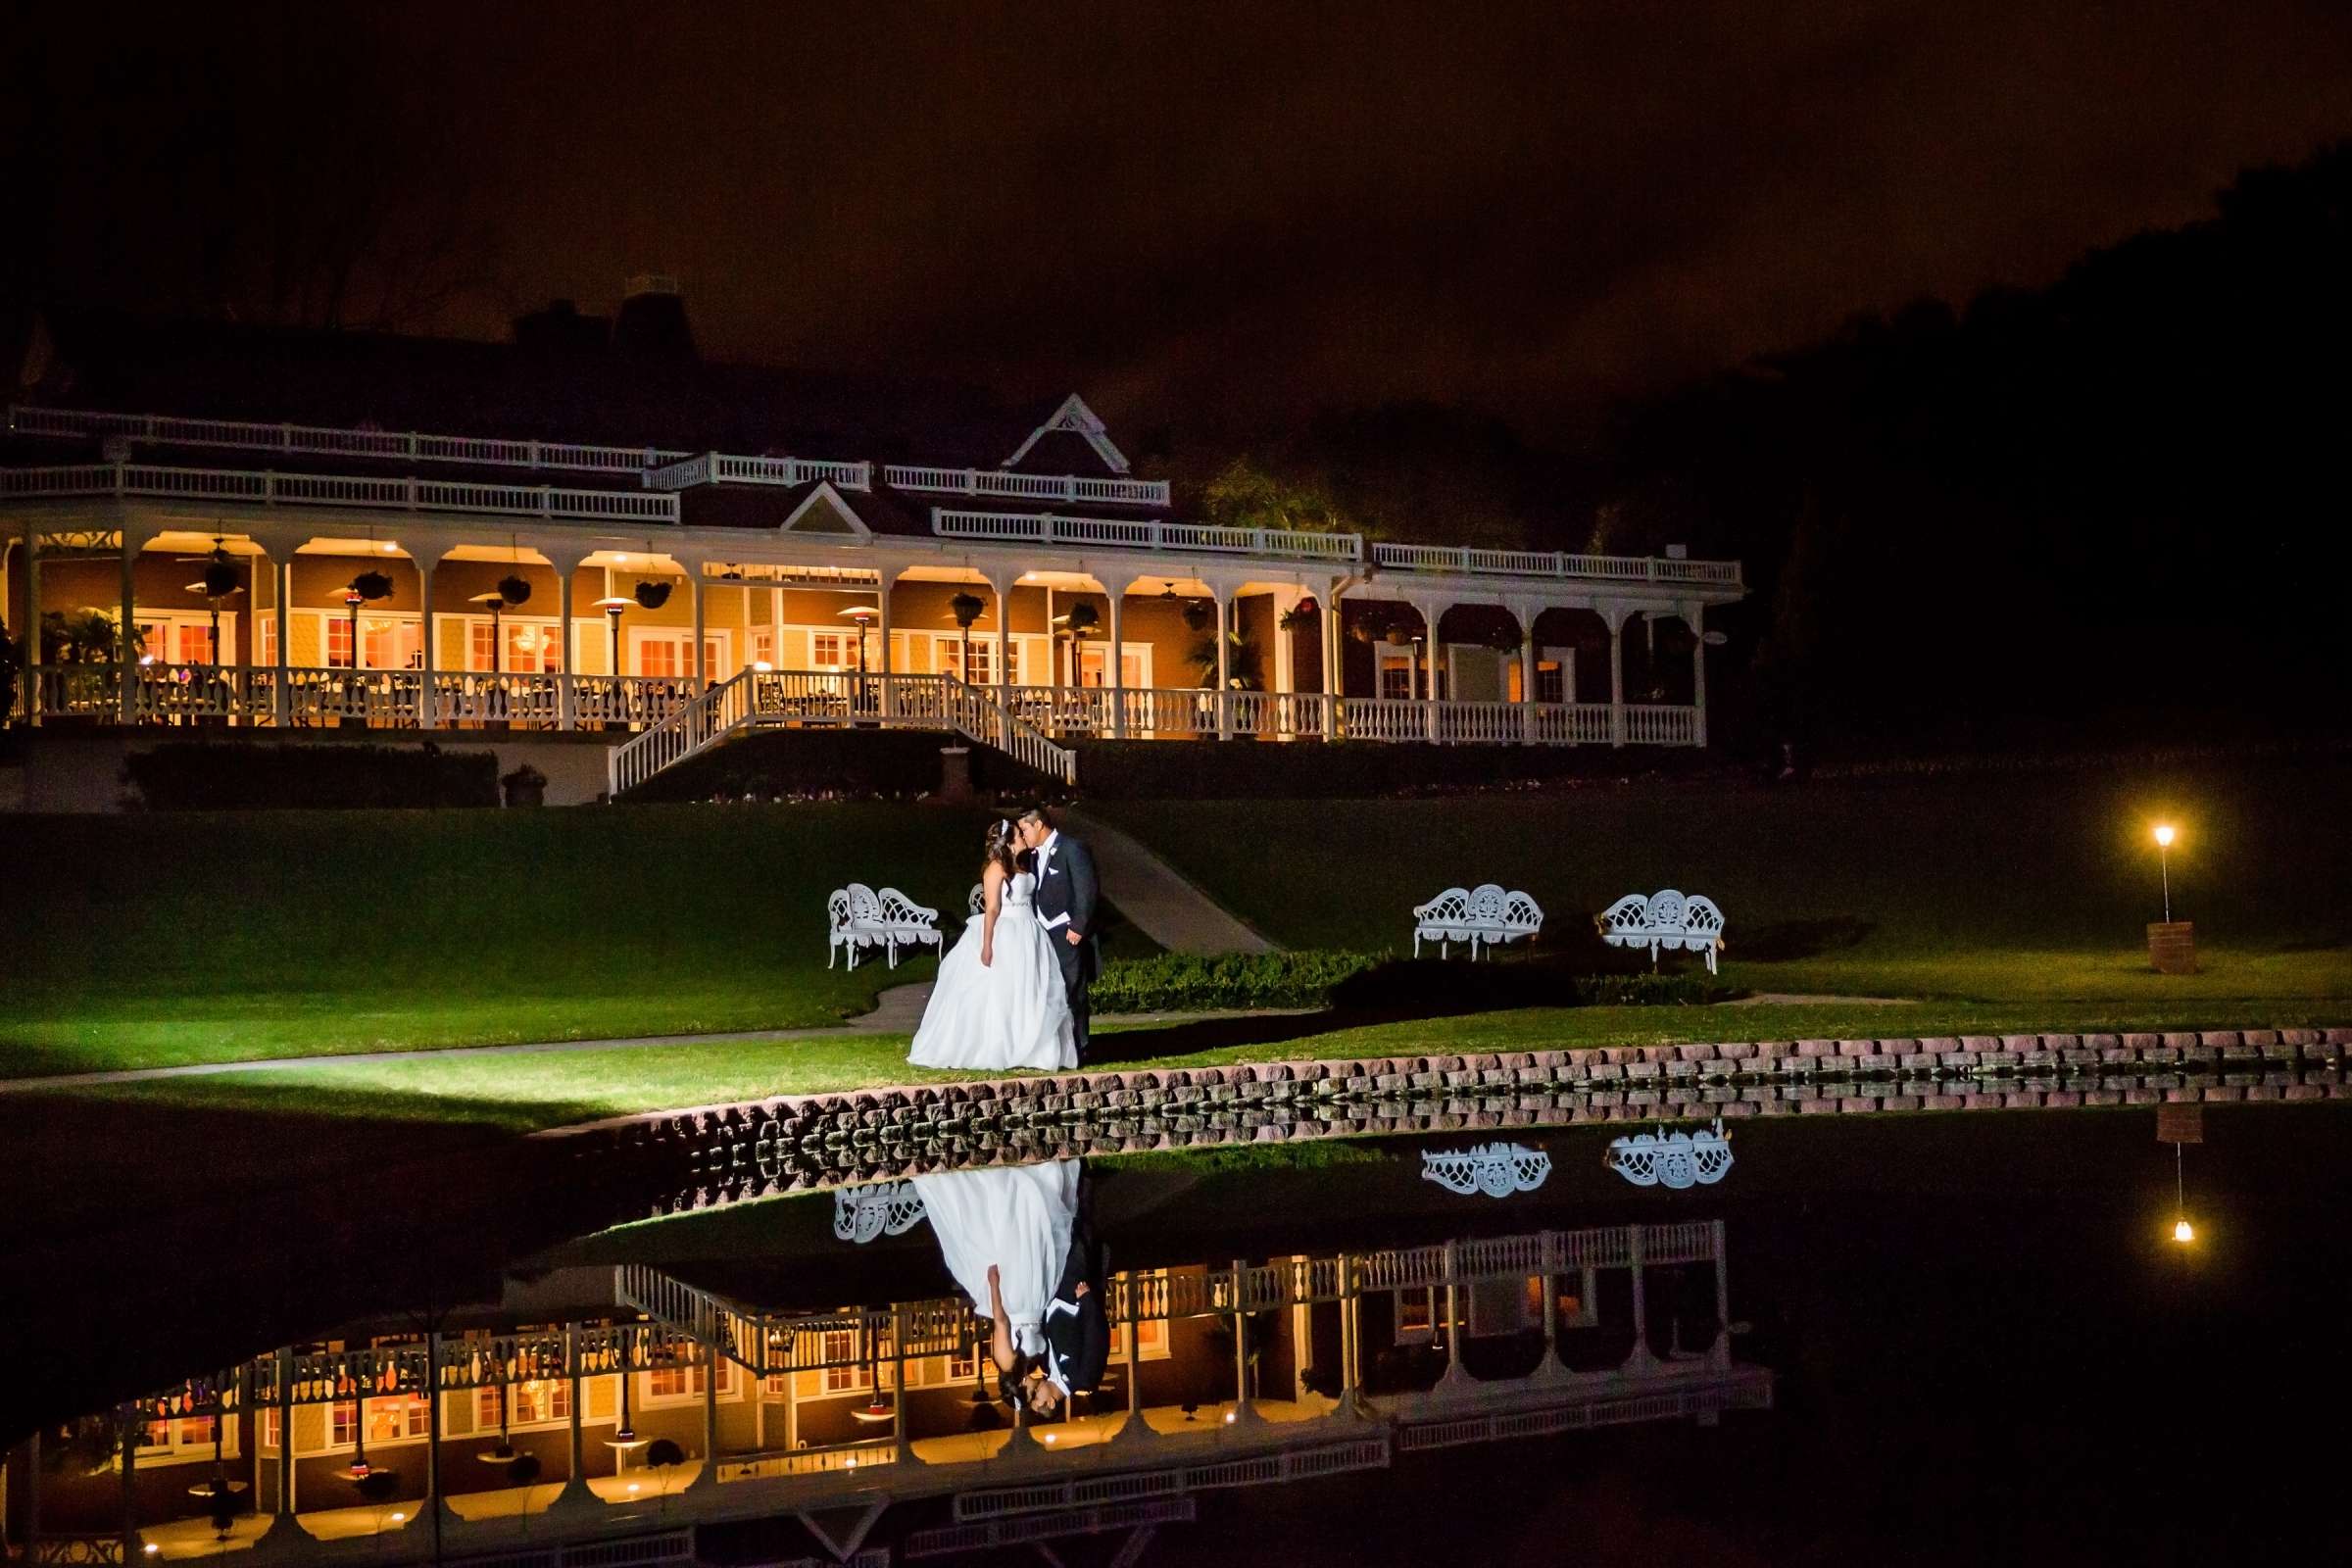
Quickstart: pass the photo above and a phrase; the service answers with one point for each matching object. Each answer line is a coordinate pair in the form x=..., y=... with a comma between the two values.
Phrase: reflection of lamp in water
x=2180, y=1125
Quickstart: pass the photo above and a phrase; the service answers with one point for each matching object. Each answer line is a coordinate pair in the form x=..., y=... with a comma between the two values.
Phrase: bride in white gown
x=999, y=1003
x=1015, y=1219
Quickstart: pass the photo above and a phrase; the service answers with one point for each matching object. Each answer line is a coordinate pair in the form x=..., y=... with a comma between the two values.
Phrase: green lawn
x=153, y=940
x=1990, y=886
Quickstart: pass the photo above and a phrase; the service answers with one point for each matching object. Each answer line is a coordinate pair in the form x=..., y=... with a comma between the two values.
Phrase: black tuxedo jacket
x=1078, y=1342
x=1065, y=896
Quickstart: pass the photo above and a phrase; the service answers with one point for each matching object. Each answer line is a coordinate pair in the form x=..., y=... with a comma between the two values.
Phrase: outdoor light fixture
x=2164, y=868
x=2183, y=1232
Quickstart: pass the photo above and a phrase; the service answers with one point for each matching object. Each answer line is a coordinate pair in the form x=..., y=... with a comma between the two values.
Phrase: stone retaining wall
x=728, y=1154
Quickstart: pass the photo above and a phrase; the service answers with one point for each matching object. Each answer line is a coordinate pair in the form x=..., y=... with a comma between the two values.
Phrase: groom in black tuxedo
x=1065, y=900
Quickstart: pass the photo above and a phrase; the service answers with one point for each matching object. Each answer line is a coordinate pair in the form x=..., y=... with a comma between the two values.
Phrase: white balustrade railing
x=951, y=522
x=1552, y=564
x=1569, y=723
x=721, y=468
x=1660, y=724
x=166, y=693
x=270, y=488
x=333, y=441
x=1033, y=486
x=1383, y=719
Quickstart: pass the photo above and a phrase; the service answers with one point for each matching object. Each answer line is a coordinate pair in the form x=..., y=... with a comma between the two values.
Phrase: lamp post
x=2172, y=943
x=2164, y=867
x=496, y=604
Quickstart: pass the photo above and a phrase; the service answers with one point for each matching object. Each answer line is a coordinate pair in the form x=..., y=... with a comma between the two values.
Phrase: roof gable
x=825, y=511
x=1076, y=418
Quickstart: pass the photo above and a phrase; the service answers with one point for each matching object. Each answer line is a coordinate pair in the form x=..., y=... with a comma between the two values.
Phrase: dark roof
x=559, y=389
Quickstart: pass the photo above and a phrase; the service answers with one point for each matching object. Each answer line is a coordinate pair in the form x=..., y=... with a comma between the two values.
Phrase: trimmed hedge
x=194, y=777
x=1180, y=982
x=1340, y=769
x=833, y=763
x=1373, y=982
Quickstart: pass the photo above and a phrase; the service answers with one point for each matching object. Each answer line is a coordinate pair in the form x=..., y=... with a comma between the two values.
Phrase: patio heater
x=877, y=1410
x=353, y=599
x=865, y=615
x=496, y=604
x=613, y=605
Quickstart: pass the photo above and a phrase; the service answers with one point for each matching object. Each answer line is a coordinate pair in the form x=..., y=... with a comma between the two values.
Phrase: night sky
x=1243, y=211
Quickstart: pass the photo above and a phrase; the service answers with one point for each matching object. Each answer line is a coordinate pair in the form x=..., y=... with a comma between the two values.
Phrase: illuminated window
x=532, y=648
x=537, y=1402
x=1396, y=674
x=385, y=642
x=829, y=650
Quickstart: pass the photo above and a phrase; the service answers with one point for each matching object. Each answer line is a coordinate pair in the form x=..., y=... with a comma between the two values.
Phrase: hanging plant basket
x=1399, y=636
x=514, y=591
x=1503, y=640
x=1197, y=613
x=1084, y=618
x=966, y=608
x=368, y=585
x=652, y=595
x=220, y=580
x=1302, y=613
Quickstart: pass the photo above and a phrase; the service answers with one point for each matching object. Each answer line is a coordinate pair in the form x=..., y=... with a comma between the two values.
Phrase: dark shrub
x=194, y=777
x=1343, y=769
x=1177, y=982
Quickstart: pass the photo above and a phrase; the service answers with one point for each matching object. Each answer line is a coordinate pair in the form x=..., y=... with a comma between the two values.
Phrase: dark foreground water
x=1982, y=1347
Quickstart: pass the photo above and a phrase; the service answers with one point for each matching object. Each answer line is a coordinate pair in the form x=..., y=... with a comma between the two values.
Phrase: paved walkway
x=1159, y=899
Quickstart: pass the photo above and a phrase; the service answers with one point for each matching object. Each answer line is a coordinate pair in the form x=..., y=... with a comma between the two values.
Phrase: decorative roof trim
x=1075, y=416
x=824, y=491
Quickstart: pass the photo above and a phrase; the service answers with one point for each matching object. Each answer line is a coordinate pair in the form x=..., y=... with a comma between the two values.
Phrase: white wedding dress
x=1011, y=1012
x=1017, y=1217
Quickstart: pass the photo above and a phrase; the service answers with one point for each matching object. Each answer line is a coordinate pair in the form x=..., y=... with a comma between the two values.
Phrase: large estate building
x=299, y=541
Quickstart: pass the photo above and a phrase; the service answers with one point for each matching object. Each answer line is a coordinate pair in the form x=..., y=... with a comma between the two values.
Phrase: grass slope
x=141, y=941
x=2024, y=887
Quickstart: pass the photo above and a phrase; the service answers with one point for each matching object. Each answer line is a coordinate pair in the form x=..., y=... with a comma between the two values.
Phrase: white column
x=30, y=654
x=1115, y=668
x=126, y=673
x=1286, y=677
x=1696, y=616
x=1224, y=599
x=428, y=695
x=1525, y=613
x=565, y=567
x=1335, y=648
x=1001, y=585
x=694, y=593
x=281, y=578
x=889, y=575
x=1614, y=614
x=1432, y=611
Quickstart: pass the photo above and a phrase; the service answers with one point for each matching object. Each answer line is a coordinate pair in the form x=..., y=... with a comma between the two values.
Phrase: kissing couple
x=1013, y=992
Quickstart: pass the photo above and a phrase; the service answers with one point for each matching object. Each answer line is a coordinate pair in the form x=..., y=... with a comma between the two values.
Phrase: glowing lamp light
x=150, y=1548
x=761, y=666
x=632, y=1487
x=1229, y=1415
x=2163, y=835
x=1049, y=1438
x=2183, y=1232
x=399, y=1518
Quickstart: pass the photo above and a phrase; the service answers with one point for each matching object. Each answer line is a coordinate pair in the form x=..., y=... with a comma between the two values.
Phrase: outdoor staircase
x=757, y=699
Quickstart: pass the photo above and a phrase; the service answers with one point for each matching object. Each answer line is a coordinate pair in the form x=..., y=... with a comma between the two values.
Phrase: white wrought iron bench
x=1664, y=920
x=1486, y=914
x=856, y=916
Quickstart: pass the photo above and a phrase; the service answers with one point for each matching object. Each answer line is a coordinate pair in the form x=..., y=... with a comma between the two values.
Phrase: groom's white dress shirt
x=1044, y=859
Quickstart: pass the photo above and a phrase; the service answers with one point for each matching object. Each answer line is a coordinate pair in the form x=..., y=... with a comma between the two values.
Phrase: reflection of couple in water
x=1020, y=1242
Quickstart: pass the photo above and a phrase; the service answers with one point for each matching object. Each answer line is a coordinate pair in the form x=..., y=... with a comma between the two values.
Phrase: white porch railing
x=1031, y=487
x=330, y=441
x=339, y=490
x=1553, y=563
x=1050, y=529
x=721, y=468
x=1034, y=718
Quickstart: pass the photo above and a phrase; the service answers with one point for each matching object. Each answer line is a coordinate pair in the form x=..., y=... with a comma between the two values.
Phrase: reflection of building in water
x=589, y=1435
